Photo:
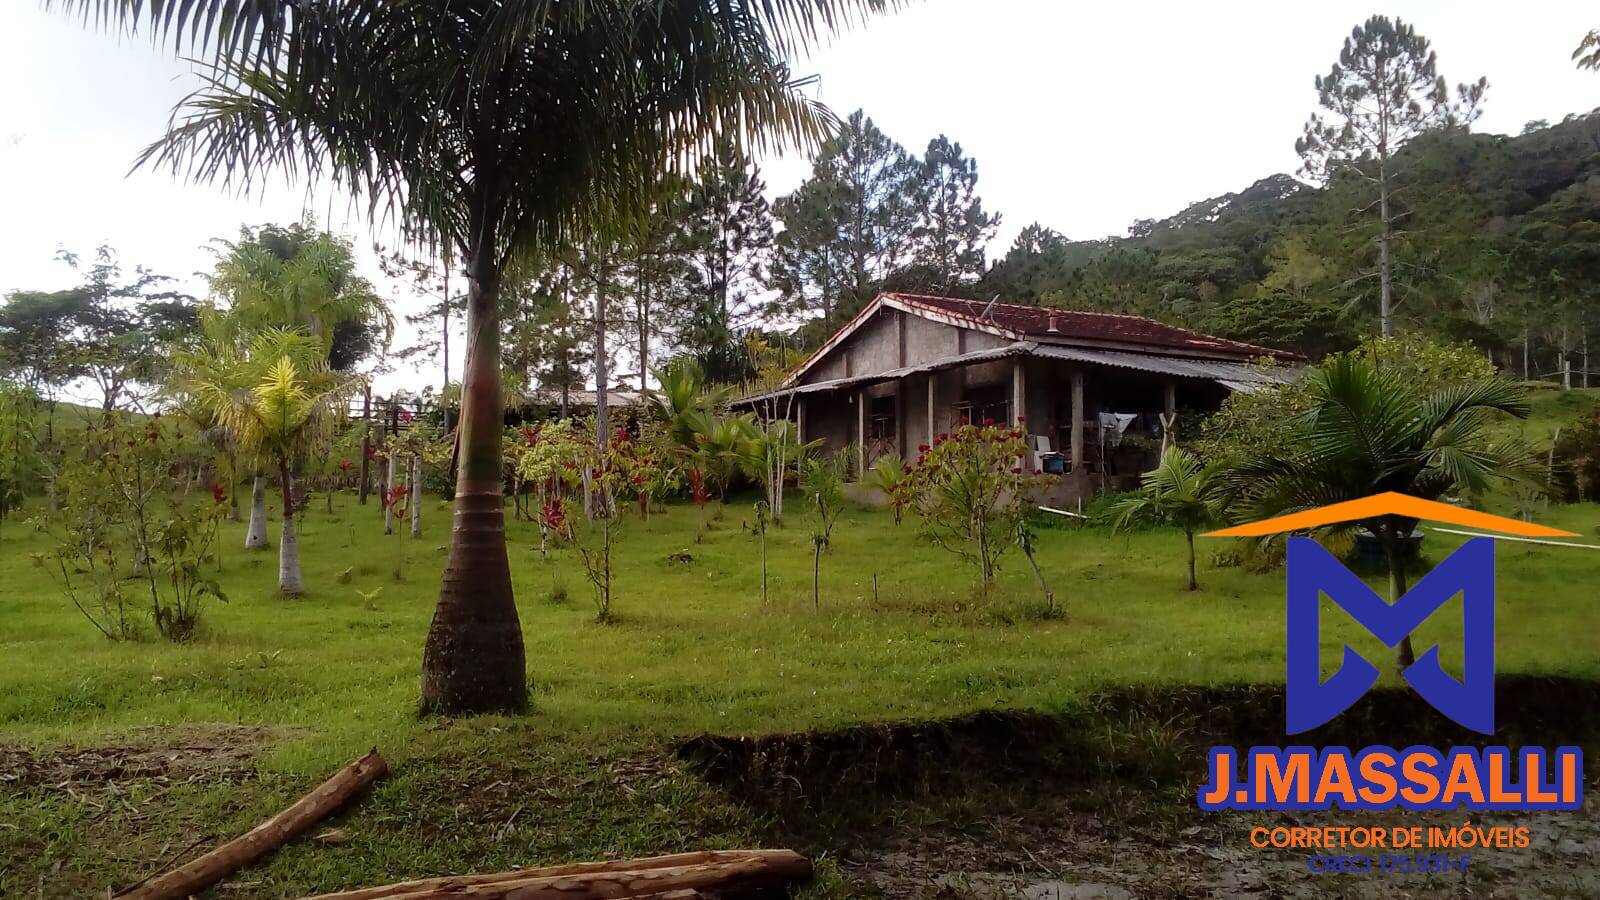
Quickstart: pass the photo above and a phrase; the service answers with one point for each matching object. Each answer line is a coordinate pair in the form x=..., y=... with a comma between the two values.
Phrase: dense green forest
x=1498, y=246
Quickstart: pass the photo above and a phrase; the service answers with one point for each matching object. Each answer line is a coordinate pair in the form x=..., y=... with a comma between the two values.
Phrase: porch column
x=1169, y=424
x=861, y=433
x=933, y=389
x=902, y=418
x=1019, y=392
x=1077, y=420
x=800, y=420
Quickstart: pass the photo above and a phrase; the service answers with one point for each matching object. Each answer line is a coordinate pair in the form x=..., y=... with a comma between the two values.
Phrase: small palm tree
x=684, y=403
x=770, y=455
x=280, y=402
x=1180, y=491
x=722, y=449
x=1368, y=432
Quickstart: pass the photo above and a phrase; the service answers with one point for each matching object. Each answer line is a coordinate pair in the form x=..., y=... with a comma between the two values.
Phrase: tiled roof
x=1034, y=322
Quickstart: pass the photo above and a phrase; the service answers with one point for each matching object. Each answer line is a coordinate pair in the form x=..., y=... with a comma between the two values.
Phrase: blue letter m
x=1313, y=571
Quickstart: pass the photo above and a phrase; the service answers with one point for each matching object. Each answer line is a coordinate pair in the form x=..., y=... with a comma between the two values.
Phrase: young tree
x=280, y=401
x=970, y=490
x=1180, y=491
x=952, y=229
x=504, y=130
x=1384, y=91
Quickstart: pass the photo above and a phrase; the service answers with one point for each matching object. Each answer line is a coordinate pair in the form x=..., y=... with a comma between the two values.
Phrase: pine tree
x=659, y=280
x=1384, y=90
x=728, y=236
x=850, y=223
x=952, y=229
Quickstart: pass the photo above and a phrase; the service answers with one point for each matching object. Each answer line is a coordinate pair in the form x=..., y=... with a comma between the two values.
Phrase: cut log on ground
x=217, y=864
x=721, y=872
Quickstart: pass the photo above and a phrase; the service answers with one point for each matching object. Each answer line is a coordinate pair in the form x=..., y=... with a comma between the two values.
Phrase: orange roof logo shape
x=1389, y=503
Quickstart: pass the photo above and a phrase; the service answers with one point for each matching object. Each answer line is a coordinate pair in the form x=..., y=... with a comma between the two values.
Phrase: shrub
x=126, y=537
x=1251, y=424
x=970, y=492
x=1576, y=473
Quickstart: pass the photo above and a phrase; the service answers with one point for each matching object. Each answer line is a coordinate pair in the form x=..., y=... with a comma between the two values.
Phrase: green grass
x=693, y=650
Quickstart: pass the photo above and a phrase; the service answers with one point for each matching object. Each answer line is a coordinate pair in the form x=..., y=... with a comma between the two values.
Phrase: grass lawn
x=694, y=650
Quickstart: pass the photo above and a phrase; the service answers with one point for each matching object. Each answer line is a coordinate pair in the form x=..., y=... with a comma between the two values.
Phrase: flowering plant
x=970, y=488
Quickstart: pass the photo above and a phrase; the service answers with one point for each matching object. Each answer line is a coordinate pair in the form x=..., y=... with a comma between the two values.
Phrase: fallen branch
x=720, y=871
x=216, y=865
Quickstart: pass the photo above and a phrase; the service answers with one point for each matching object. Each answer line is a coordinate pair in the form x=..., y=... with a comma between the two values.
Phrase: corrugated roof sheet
x=1036, y=321
x=1181, y=367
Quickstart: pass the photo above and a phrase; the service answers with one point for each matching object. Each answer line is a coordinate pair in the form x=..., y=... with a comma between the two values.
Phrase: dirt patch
x=187, y=753
x=1098, y=802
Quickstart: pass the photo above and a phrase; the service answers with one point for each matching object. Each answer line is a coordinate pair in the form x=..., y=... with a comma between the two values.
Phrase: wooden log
x=217, y=864
x=721, y=872
x=615, y=865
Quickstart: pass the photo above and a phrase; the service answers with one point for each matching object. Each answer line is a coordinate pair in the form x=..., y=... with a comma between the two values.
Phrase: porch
x=1106, y=414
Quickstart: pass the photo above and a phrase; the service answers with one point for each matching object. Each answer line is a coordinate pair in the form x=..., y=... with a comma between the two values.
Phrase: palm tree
x=1368, y=432
x=684, y=403
x=279, y=402
x=296, y=276
x=506, y=130
x=1179, y=491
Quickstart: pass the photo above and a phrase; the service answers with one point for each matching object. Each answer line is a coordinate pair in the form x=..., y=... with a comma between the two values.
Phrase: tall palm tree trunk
x=1404, y=657
x=255, y=537
x=473, y=660
x=1194, y=585
x=289, y=583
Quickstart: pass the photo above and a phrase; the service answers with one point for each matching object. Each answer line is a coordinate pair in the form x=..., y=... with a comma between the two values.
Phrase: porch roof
x=1235, y=376
x=1018, y=348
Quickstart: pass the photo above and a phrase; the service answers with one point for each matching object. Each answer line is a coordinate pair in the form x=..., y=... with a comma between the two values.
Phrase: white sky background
x=1082, y=116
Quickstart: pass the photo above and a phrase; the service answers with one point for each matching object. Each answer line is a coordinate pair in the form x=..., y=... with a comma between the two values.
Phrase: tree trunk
x=255, y=537
x=388, y=492
x=216, y=865
x=644, y=339
x=474, y=659
x=600, y=378
x=1397, y=587
x=366, y=444
x=444, y=317
x=288, y=541
x=1385, y=260
x=1193, y=584
x=721, y=873
x=415, y=499
x=1566, y=361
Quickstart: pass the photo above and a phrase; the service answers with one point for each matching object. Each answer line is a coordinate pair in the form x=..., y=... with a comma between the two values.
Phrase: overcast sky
x=1082, y=116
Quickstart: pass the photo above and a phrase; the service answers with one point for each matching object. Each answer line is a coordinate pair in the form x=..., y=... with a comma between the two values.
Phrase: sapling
x=762, y=510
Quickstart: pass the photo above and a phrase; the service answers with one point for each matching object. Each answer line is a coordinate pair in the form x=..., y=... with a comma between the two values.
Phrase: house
x=1097, y=388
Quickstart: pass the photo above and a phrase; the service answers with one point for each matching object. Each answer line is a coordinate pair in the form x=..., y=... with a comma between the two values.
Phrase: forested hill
x=1499, y=243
